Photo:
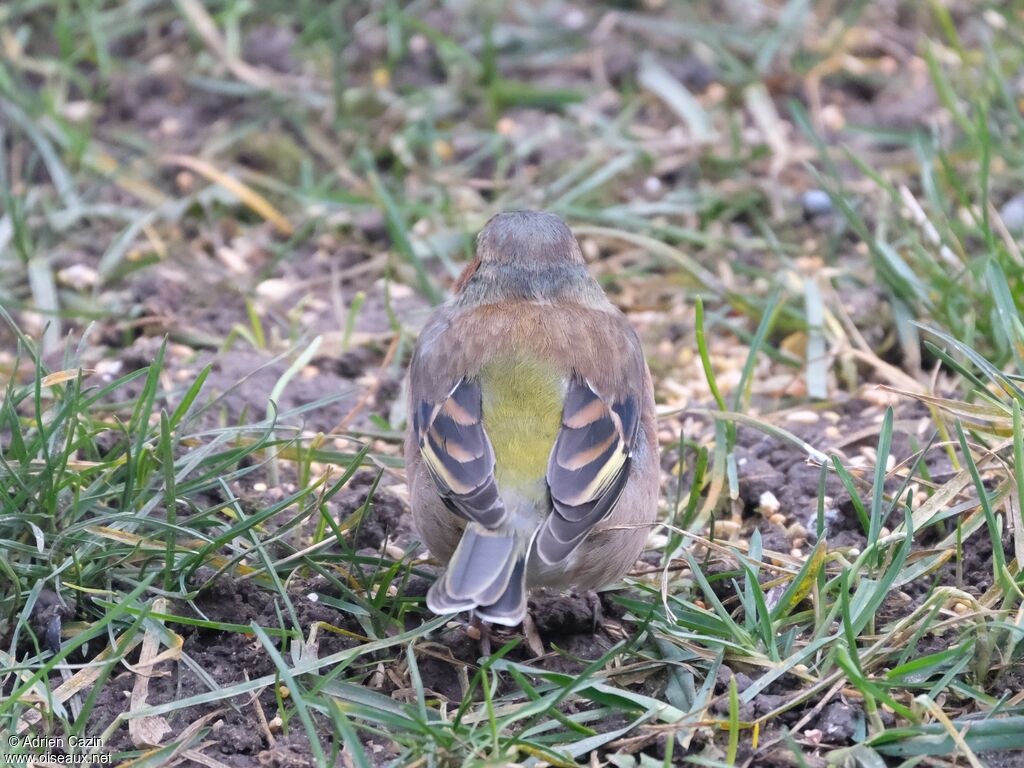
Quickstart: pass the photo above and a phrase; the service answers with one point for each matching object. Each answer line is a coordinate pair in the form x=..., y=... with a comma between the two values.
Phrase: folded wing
x=458, y=454
x=588, y=467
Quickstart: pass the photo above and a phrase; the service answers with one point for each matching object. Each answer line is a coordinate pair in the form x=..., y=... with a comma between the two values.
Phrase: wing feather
x=458, y=454
x=588, y=467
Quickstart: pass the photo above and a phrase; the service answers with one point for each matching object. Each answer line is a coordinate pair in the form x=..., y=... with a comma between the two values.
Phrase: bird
x=531, y=449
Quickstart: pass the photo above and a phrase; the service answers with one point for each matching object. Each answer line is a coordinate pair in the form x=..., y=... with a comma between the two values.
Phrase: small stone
x=803, y=417
x=78, y=276
x=839, y=722
x=1012, y=213
x=259, y=487
x=768, y=504
x=506, y=126
x=418, y=44
x=275, y=289
x=832, y=117
x=592, y=251
x=170, y=126
x=574, y=19
x=815, y=202
x=78, y=111
x=777, y=519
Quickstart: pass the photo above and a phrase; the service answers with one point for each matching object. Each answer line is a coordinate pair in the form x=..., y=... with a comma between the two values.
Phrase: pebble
x=275, y=289
x=777, y=519
x=832, y=117
x=768, y=505
x=803, y=417
x=815, y=202
x=259, y=487
x=1012, y=213
x=78, y=276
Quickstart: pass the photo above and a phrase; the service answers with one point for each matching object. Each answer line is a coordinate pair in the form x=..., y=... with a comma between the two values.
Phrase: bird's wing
x=588, y=467
x=458, y=454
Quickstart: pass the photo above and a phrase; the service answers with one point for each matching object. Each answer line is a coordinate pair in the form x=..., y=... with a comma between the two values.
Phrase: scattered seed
x=797, y=531
x=727, y=528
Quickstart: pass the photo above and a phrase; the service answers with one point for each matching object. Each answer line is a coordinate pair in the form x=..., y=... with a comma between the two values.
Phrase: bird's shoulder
x=597, y=344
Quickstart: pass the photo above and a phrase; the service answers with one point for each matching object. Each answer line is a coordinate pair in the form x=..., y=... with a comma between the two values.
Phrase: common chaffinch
x=531, y=453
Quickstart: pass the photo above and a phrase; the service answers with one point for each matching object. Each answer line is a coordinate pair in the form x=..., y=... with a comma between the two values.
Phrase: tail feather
x=510, y=608
x=487, y=574
x=482, y=562
x=439, y=601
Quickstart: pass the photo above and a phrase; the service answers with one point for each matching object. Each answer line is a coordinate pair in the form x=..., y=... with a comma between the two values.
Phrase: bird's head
x=529, y=255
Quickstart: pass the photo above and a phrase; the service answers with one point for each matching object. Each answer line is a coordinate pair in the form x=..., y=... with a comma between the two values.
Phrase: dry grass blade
x=150, y=731
x=79, y=683
x=246, y=194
